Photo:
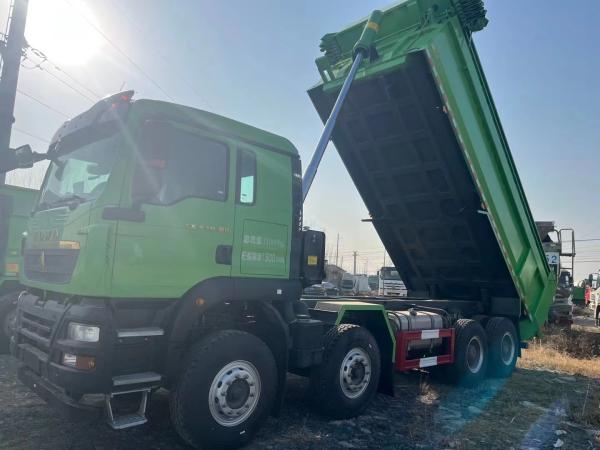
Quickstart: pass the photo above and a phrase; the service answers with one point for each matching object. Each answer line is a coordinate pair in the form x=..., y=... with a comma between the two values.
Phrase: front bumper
x=54, y=396
x=41, y=341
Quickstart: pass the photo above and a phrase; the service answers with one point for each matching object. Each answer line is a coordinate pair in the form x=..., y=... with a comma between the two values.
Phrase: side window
x=246, y=183
x=175, y=164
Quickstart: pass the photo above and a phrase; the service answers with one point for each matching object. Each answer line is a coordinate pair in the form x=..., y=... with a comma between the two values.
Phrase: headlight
x=83, y=333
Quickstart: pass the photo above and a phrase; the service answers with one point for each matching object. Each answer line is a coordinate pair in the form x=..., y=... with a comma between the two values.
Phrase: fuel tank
x=414, y=320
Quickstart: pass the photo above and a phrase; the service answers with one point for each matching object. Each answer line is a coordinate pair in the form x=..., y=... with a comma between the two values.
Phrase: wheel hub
x=475, y=354
x=234, y=393
x=355, y=372
x=507, y=348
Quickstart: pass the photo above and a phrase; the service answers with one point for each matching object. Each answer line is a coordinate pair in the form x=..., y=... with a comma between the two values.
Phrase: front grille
x=36, y=331
x=50, y=265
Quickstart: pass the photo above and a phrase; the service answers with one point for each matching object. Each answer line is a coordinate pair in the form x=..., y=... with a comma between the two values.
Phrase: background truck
x=15, y=206
x=390, y=283
x=167, y=249
x=361, y=285
x=559, y=247
x=593, y=283
x=347, y=284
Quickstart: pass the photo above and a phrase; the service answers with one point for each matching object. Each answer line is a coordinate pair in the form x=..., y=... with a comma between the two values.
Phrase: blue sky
x=253, y=61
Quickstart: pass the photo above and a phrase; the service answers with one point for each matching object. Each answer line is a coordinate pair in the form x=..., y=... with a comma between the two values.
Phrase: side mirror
x=19, y=158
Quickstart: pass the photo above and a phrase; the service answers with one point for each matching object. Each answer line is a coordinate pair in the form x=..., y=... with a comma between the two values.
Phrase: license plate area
x=33, y=358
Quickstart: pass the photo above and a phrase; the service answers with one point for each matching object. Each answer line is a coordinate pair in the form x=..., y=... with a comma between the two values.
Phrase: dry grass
x=572, y=352
x=576, y=343
x=545, y=358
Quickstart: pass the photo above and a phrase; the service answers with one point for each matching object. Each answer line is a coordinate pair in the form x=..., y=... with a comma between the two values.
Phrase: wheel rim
x=507, y=348
x=355, y=372
x=475, y=354
x=234, y=393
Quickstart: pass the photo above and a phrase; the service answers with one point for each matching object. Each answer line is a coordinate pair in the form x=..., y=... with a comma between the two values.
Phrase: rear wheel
x=470, y=354
x=226, y=390
x=346, y=381
x=502, y=345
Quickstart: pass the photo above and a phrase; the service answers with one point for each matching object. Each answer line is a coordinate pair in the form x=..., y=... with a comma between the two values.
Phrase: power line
x=73, y=88
x=27, y=133
x=44, y=58
x=122, y=52
x=158, y=53
x=37, y=100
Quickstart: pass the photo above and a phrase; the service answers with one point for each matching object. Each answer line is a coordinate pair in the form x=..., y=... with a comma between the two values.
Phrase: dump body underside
x=423, y=144
x=399, y=147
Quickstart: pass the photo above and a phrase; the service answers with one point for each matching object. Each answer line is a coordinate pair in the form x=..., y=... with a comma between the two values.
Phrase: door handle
x=127, y=214
x=223, y=254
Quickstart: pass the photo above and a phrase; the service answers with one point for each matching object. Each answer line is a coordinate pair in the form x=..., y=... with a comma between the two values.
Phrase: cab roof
x=112, y=104
x=218, y=123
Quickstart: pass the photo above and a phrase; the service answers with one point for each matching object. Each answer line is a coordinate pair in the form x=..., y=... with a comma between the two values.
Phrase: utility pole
x=354, y=255
x=384, y=258
x=337, y=249
x=12, y=50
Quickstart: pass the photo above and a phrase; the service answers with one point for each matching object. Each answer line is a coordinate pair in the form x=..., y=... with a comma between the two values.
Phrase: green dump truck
x=15, y=206
x=167, y=249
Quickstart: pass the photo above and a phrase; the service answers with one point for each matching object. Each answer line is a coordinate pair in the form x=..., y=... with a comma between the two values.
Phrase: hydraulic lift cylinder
x=361, y=49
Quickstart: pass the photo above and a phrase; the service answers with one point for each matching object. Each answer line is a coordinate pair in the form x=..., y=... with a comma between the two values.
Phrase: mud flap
x=386, y=379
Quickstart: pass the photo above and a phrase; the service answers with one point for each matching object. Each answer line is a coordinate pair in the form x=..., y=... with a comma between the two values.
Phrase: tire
x=232, y=365
x=502, y=347
x=8, y=310
x=470, y=354
x=346, y=381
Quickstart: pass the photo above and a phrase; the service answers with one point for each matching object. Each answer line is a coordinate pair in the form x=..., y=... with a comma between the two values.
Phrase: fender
x=373, y=317
x=213, y=292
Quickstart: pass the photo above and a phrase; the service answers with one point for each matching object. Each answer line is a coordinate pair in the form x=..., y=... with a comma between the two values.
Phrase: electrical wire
x=122, y=52
x=125, y=15
x=65, y=83
x=27, y=133
x=47, y=106
x=44, y=58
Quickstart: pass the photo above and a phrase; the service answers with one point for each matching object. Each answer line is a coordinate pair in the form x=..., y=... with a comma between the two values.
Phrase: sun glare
x=59, y=29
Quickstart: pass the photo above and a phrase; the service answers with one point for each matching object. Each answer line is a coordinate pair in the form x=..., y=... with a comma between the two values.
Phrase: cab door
x=263, y=213
x=183, y=231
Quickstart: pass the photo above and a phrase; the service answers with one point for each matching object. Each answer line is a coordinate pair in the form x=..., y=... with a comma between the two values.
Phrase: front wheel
x=344, y=384
x=226, y=390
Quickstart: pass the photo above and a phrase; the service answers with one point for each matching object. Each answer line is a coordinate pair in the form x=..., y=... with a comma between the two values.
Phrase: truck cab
x=593, y=286
x=390, y=283
x=155, y=224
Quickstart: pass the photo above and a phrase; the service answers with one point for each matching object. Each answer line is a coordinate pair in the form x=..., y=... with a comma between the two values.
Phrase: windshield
x=390, y=274
x=79, y=174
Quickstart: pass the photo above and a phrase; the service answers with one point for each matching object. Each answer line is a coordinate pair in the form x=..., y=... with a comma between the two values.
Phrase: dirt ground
x=552, y=401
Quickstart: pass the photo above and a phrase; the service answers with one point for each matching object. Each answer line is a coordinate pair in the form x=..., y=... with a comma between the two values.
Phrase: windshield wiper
x=72, y=201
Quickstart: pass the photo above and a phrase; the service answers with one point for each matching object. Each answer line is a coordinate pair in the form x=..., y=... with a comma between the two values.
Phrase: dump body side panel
x=471, y=109
x=422, y=141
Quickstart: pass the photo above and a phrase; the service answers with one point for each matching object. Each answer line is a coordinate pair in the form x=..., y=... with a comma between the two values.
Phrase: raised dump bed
x=422, y=141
